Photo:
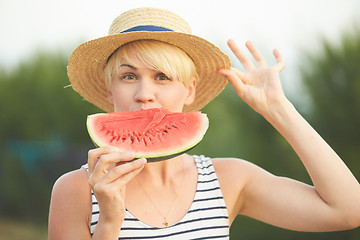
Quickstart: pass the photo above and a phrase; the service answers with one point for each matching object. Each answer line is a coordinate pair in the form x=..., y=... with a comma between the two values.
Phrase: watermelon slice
x=155, y=134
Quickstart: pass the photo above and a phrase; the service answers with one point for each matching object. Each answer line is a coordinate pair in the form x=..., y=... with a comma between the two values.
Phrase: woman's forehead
x=133, y=63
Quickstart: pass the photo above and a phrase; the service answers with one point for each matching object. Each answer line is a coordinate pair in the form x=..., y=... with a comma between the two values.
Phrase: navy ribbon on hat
x=144, y=28
x=147, y=28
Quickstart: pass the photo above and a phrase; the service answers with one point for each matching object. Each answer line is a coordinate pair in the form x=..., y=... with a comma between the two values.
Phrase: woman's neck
x=164, y=173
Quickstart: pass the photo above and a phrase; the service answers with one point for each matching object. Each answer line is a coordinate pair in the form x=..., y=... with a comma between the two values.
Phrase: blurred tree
x=332, y=80
x=37, y=105
x=42, y=134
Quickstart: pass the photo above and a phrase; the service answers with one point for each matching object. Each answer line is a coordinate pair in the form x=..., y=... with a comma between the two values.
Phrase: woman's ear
x=110, y=97
x=191, y=92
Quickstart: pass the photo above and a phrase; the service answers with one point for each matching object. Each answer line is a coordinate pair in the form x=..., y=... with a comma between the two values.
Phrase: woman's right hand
x=109, y=172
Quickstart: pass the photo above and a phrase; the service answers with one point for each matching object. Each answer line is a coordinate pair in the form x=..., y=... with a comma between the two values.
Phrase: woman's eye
x=162, y=77
x=128, y=77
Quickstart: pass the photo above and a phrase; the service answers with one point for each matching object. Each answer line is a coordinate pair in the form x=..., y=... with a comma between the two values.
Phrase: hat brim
x=88, y=61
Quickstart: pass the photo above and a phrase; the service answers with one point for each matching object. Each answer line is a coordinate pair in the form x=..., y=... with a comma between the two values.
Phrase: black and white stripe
x=207, y=217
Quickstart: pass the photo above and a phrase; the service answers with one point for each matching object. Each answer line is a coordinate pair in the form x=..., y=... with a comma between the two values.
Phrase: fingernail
x=142, y=160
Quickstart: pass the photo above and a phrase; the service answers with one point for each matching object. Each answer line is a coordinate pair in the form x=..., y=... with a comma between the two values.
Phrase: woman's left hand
x=260, y=85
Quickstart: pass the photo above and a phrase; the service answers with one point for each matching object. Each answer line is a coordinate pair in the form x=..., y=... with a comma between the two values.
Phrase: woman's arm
x=334, y=201
x=70, y=207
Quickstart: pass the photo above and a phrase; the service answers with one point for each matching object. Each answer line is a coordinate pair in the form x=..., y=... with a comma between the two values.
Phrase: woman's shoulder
x=230, y=165
x=233, y=174
x=71, y=188
x=236, y=171
x=73, y=181
x=68, y=208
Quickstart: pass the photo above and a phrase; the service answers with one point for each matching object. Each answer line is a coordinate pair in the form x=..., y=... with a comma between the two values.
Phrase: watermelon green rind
x=166, y=157
x=154, y=156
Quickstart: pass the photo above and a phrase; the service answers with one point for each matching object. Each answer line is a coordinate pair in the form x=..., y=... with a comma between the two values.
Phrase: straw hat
x=87, y=62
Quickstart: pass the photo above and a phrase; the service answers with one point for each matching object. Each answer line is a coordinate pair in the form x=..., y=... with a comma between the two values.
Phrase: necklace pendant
x=165, y=222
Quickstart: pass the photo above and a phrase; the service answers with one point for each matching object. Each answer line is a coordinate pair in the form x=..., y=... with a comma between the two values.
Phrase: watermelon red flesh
x=150, y=133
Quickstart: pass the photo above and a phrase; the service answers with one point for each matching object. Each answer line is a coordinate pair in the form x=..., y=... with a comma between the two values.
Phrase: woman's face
x=135, y=87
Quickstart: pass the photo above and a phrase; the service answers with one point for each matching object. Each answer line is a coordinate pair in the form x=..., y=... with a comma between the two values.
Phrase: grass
x=17, y=230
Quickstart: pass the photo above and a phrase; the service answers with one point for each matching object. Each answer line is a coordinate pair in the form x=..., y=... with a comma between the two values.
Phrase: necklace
x=165, y=222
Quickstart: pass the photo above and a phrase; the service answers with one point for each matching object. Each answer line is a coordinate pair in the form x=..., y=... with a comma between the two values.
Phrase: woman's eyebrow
x=128, y=65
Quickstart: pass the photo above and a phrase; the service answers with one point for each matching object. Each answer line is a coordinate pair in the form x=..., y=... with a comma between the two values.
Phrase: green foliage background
x=43, y=133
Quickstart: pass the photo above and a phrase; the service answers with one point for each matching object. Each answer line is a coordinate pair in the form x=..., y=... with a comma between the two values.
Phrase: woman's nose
x=145, y=92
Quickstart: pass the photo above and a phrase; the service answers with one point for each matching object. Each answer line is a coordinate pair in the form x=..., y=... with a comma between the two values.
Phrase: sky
x=288, y=25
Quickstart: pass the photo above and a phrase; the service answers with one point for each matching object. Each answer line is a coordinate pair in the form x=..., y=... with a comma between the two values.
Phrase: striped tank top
x=207, y=217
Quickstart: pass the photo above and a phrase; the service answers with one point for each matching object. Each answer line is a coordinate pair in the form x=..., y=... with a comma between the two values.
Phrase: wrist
x=108, y=228
x=280, y=112
x=115, y=221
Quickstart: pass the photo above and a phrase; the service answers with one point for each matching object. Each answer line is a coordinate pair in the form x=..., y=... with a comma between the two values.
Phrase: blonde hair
x=159, y=56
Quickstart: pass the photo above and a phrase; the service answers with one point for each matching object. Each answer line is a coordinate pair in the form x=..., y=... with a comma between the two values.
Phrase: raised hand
x=259, y=86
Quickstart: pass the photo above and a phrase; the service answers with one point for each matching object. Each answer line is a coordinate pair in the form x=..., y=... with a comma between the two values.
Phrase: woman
x=151, y=60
